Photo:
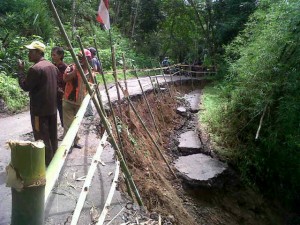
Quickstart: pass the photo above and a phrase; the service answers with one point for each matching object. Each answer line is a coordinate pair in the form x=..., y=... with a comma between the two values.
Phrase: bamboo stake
x=105, y=122
x=157, y=105
x=93, y=78
x=148, y=106
x=260, y=123
x=158, y=85
x=116, y=216
x=167, y=85
x=152, y=139
x=88, y=180
x=110, y=195
x=114, y=121
x=192, y=79
x=113, y=58
x=124, y=71
x=125, y=79
x=26, y=177
x=109, y=101
x=61, y=153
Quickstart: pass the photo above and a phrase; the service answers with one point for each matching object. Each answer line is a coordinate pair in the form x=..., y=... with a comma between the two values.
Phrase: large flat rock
x=200, y=169
x=194, y=99
x=189, y=142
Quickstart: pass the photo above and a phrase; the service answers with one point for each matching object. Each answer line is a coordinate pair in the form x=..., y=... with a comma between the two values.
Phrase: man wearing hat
x=41, y=83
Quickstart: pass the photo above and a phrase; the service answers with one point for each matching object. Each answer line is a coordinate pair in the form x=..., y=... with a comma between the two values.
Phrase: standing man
x=41, y=83
x=57, y=55
x=96, y=64
x=75, y=91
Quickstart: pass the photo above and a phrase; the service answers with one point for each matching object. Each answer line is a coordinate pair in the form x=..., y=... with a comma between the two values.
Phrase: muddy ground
x=162, y=193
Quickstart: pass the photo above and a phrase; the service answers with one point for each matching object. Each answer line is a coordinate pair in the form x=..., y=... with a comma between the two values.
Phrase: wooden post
x=27, y=179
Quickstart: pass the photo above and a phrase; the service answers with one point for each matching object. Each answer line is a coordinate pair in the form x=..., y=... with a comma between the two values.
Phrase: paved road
x=17, y=126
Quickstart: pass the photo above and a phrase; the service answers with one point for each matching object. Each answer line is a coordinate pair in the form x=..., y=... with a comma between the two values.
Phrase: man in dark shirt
x=57, y=55
x=41, y=83
x=96, y=64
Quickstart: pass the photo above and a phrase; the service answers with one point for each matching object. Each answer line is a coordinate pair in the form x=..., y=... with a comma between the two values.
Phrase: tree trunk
x=73, y=19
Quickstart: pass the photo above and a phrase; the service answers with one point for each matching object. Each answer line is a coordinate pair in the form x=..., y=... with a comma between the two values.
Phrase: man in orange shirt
x=75, y=91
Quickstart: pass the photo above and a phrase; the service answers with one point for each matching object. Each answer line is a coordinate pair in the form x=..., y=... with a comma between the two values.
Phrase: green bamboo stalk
x=26, y=177
x=61, y=153
x=104, y=120
x=169, y=89
x=147, y=131
x=93, y=78
x=124, y=71
x=148, y=106
x=157, y=105
x=113, y=58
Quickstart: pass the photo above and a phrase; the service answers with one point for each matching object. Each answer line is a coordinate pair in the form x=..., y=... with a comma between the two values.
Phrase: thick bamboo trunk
x=27, y=179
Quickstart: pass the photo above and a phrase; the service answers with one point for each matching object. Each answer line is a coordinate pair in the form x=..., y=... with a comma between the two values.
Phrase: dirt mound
x=161, y=192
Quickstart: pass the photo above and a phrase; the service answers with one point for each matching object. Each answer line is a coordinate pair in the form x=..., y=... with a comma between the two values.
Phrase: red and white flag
x=103, y=14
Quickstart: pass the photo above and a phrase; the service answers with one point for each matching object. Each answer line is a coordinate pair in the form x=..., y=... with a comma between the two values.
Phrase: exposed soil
x=162, y=194
x=171, y=198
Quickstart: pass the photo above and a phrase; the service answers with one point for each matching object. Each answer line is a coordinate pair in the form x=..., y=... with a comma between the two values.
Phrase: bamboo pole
x=167, y=85
x=88, y=180
x=192, y=80
x=61, y=153
x=114, y=121
x=105, y=122
x=157, y=105
x=93, y=78
x=148, y=106
x=124, y=71
x=125, y=79
x=110, y=195
x=26, y=177
x=260, y=122
x=113, y=58
x=109, y=102
x=147, y=131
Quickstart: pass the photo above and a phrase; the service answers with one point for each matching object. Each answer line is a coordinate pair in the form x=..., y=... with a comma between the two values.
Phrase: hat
x=86, y=52
x=93, y=50
x=36, y=45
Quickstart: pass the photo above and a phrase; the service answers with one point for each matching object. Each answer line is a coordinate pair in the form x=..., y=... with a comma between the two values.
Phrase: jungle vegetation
x=251, y=109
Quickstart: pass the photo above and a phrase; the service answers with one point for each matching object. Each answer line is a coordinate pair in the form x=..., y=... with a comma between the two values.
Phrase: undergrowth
x=15, y=99
x=253, y=114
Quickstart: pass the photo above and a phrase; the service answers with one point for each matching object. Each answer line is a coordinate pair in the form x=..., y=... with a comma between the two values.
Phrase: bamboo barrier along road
x=53, y=171
x=54, y=168
x=177, y=68
x=88, y=180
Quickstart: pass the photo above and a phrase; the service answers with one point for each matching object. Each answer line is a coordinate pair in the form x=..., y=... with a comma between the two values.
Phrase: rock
x=181, y=111
x=189, y=143
x=194, y=99
x=201, y=170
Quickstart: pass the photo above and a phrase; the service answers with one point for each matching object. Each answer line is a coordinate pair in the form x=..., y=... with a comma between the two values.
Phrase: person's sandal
x=77, y=146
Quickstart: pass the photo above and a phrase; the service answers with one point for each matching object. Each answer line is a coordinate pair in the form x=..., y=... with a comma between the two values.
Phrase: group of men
x=54, y=87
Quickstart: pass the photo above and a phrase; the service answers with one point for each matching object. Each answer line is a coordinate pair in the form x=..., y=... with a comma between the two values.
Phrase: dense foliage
x=255, y=111
x=145, y=30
